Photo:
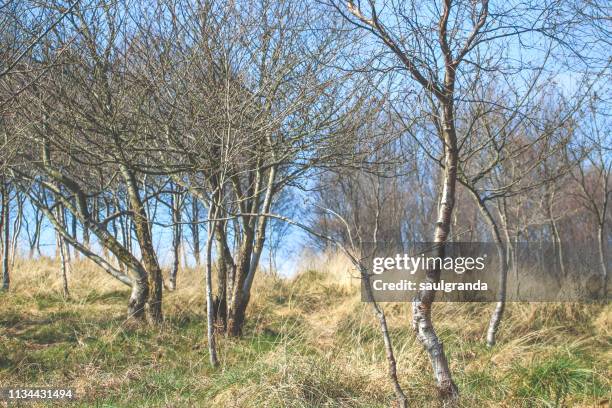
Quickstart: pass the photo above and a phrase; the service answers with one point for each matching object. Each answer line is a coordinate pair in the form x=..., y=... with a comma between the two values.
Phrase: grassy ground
x=309, y=342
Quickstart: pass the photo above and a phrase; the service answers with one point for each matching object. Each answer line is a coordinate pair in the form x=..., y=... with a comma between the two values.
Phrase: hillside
x=309, y=342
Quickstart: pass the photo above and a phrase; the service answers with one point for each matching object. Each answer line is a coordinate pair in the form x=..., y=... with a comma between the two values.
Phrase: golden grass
x=309, y=342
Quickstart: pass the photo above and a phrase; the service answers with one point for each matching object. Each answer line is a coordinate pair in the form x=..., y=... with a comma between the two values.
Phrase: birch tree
x=443, y=49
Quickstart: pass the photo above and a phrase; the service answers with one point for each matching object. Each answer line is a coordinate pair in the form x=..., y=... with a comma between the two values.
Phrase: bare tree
x=593, y=175
x=444, y=49
x=451, y=46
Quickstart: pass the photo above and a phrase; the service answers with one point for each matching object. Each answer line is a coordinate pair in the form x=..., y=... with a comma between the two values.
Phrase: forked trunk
x=260, y=236
x=138, y=275
x=238, y=305
x=139, y=278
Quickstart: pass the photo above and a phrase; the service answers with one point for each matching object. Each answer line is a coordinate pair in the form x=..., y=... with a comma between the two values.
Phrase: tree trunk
x=220, y=304
x=35, y=239
x=195, y=230
x=145, y=241
x=65, y=224
x=139, y=282
x=138, y=298
x=63, y=249
x=402, y=401
x=95, y=215
x=502, y=253
x=176, y=236
x=602, y=259
x=238, y=305
x=63, y=266
x=17, y=225
x=210, y=312
x=260, y=236
x=74, y=234
x=498, y=313
x=239, y=300
x=421, y=307
x=6, y=218
x=557, y=244
x=140, y=278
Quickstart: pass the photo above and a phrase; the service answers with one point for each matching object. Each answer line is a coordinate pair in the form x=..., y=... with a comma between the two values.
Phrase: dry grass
x=309, y=342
